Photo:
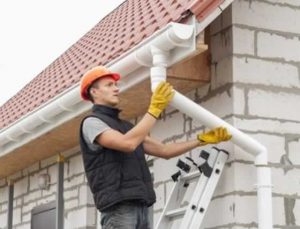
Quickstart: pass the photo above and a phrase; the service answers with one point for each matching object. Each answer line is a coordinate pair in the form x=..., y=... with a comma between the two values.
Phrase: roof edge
x=179, y=38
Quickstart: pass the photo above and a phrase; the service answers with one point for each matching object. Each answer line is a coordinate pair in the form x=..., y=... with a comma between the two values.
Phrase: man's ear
x=92, y=91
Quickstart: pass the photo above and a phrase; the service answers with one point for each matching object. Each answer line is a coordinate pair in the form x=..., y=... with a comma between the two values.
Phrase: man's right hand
x=160, y=99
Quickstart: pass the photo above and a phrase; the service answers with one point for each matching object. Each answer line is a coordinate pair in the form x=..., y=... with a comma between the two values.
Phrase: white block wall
x=79, y=213
x=269, y=76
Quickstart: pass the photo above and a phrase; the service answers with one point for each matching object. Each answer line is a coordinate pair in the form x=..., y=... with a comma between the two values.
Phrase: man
x=113, y=150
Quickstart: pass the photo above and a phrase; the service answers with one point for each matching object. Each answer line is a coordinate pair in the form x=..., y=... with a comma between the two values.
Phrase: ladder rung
x=176, y=212
x=191, y=175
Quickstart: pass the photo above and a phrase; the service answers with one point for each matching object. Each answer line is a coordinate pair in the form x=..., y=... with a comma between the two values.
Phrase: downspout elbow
x=261, y=158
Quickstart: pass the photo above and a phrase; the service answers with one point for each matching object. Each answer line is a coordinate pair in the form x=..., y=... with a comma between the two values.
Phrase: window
x=43, y=216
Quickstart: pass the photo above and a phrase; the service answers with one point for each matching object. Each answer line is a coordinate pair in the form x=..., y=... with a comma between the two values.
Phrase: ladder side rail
x=209, y=191
x=163, y=222
x=173, y=200
x=199, y=190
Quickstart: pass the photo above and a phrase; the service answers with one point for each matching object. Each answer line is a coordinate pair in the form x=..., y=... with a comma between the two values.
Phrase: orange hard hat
x=91, y=76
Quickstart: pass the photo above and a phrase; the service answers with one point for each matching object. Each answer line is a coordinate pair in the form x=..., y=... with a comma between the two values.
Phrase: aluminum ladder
x=175, y=216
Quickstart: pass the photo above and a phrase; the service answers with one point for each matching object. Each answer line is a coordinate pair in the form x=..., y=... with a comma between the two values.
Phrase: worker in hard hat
x=114, y=150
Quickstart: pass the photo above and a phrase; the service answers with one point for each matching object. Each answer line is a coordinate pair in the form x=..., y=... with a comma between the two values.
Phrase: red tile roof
x=125, y=27
x=203, y=8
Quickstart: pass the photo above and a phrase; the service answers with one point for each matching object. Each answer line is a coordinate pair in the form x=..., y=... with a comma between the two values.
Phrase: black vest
x=115, y=176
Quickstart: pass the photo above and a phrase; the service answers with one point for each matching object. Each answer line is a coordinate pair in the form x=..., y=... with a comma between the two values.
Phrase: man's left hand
x=214, y=136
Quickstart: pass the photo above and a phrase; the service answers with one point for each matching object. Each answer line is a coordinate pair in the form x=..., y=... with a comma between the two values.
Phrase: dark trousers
x=126, y=215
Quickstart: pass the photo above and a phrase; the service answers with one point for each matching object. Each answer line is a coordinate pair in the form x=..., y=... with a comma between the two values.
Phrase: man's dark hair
x=93, y=85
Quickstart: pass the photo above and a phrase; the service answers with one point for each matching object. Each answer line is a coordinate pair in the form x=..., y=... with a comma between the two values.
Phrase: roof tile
x=119, y=31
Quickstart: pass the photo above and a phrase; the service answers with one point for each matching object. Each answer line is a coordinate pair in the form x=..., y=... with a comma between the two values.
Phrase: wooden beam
x=195, y=69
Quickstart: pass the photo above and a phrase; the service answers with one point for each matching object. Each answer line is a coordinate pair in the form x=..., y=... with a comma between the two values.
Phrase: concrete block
x=26, y=218
x=239, y=177
x=53, y=172
x=296, y=212
x=26, y=208
x=3, y=194
x=286, y=182
x=220, y=104
x=71, y=193
x=245, y=204
x=24, y=226
x=17, y=216
x=275, y=46
x=46, y=200
x=33, y=182
x=239, y=104
x=166, y=128
x=21, y=187
x=266, y=125
x=243, y=41
x=4, y=207
x=73, y=203
x=281, y=105
x=294, y=151
x=224, y=208
x=76, y=165
x=285, y=2
x=19, y=201
x=51, y=190
x=32, y=196
x=247, y=226
x=85, y=196
x=3, y=220
x=263, y=72
x=266, y=15
x=73, y=181
x=83, y=217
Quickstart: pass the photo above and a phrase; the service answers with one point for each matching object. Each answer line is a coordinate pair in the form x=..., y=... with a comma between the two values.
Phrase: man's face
x=106, y=92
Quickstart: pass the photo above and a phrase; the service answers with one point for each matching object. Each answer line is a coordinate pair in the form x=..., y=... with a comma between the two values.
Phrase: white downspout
x=187, y=106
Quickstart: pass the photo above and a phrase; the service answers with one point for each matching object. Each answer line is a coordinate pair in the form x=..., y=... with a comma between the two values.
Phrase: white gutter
x=178, y=39
x=166, y=47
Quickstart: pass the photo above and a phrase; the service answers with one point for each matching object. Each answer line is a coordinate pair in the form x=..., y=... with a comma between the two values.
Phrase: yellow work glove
x=214, y=136
x=160, y=98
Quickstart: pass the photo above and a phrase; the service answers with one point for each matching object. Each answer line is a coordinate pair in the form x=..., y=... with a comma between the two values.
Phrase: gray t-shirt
x=92, y=127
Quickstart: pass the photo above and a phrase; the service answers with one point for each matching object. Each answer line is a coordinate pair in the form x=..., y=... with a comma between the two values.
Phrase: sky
x=33, y=33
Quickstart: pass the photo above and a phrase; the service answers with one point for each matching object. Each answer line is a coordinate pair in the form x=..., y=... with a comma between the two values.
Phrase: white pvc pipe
x=187, y=106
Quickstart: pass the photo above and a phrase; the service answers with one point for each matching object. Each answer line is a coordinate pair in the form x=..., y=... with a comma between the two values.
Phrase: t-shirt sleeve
x=92, y=128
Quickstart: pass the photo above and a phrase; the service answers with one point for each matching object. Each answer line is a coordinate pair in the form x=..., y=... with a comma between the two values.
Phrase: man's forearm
x=176, y=149
x=138, y=133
